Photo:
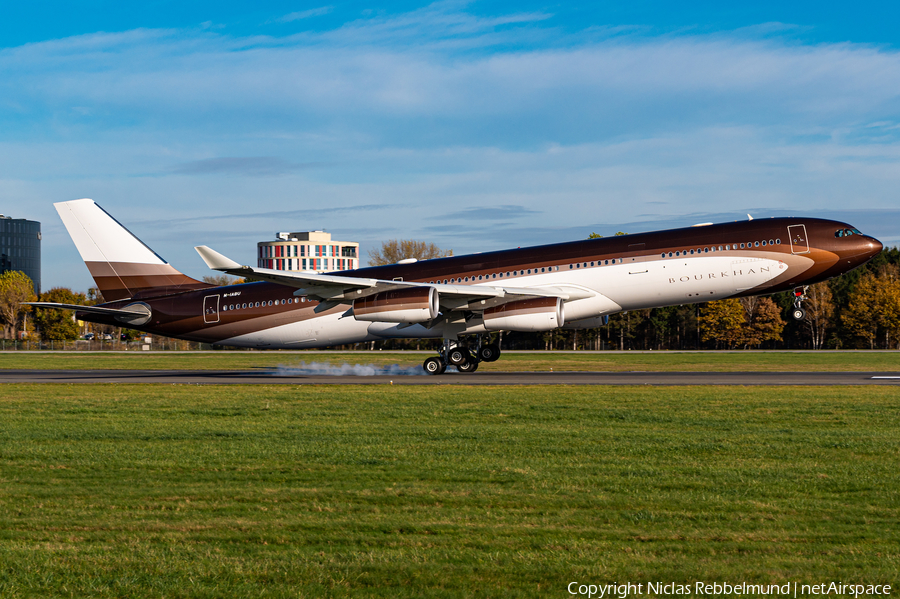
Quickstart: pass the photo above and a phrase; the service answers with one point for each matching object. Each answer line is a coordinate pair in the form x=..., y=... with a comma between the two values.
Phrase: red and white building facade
x=313, y=251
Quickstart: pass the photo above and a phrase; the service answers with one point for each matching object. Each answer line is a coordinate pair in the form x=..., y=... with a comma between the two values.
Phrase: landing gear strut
x=799, y=295
x=464, y=358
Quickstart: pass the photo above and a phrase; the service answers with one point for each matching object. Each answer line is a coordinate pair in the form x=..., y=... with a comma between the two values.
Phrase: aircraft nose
x=875, y=247
x=861, y=249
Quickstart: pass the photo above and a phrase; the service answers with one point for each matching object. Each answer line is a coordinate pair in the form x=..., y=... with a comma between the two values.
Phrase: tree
x=394, y=251
x=744, y=322
x=873, y=311
x=15, y=288
x=722, y=322
x=58, y=324
x=859, y=316
x=222, y=280
x=765, y=323
x=94, y=297
x=819, y=310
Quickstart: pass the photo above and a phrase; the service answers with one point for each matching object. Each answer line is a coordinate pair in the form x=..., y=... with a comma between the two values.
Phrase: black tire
x=458, y=355
x=799, y=313
x=489, y=353
x=433, y=365
x=468, y=367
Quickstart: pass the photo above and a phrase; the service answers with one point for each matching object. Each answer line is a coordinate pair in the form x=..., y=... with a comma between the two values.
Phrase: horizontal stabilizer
x=135, y=314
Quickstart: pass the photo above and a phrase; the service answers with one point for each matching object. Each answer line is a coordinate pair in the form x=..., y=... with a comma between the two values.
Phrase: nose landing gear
x=464, y=358
x=799, y=295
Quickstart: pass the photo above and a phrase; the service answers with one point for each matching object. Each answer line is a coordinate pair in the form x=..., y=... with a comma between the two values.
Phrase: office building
x=309, y=251
x=20, y=248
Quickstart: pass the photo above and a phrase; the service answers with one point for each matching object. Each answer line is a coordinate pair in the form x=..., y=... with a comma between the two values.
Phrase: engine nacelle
x=408, y=305
x=534, y=314
x=588, y=323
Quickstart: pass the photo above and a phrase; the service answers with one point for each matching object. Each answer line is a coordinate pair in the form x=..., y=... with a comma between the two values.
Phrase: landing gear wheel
x=489, y=353
x=468, y=367
x=799, y=313
x=433, y=365
x=458, y=356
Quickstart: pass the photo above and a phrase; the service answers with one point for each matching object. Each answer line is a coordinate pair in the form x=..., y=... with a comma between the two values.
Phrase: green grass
x=231, y=491
x=509, y=361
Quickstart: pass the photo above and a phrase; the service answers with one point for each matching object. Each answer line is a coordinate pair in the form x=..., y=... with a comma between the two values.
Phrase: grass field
x=510, y=361
x=179, y=491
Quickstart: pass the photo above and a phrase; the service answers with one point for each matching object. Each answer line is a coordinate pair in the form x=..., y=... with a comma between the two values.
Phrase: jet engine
x=534, y=314
x=408, y=305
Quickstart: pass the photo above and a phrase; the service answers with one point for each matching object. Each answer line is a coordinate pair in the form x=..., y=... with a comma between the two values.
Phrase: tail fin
x=122, y=265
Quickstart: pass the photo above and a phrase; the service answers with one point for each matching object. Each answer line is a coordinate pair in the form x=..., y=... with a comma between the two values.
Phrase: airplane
x=574, y=285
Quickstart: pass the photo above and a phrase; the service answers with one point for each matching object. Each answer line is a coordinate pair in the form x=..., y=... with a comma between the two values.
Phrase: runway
x=299, y=377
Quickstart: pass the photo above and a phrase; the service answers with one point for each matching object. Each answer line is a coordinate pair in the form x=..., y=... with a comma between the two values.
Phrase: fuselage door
x=799, y=242
x=211, y=309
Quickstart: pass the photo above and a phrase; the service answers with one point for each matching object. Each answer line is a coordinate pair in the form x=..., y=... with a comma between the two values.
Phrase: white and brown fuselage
x=593, y=277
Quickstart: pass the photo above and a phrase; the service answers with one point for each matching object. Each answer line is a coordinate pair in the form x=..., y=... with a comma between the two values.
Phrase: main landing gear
x=464, y=358
x=799, y=295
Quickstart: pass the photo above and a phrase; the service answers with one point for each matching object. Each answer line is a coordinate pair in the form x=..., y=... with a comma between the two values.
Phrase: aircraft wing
x=333, y=290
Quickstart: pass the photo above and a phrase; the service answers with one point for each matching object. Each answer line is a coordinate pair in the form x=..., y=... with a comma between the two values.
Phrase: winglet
x=215, y=260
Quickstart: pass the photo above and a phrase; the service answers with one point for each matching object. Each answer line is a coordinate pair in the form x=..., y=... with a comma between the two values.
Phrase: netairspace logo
x=719, y=589
x=324, y=368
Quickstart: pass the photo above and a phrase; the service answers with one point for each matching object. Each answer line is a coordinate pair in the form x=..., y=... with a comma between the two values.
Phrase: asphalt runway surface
x=411, y=377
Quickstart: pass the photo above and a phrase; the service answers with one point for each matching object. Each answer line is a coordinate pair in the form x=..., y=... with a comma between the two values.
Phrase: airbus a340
x=459, y=299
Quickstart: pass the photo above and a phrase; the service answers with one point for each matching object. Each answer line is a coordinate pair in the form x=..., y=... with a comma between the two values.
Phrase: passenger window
x=756, y=244
x=692, y=252
x=764, y=242
x=742, y=246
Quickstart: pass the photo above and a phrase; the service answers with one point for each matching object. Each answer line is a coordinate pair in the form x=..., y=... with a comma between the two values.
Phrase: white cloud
x=304, y=14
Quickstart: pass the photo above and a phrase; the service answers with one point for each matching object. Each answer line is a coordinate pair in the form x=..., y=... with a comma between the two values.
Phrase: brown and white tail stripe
x=122, y=265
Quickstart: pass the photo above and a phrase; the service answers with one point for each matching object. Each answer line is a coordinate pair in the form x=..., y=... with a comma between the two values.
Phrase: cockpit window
x=846, y=232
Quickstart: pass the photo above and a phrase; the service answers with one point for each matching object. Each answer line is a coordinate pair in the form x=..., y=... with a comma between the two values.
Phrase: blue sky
x=476, y=125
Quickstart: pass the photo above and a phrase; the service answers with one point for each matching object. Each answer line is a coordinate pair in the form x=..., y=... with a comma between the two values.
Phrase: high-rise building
x=20, y=248
x=309, y=250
